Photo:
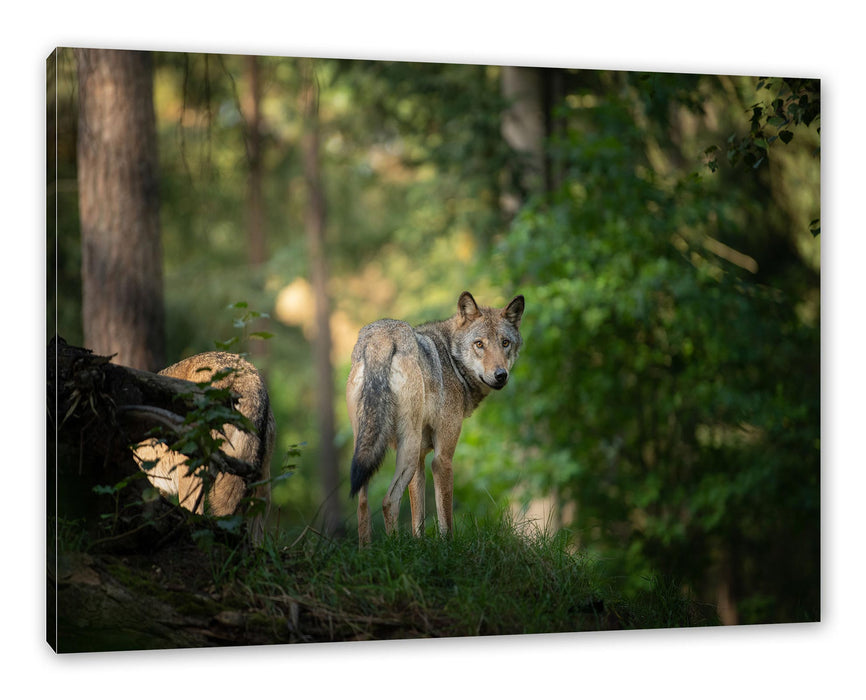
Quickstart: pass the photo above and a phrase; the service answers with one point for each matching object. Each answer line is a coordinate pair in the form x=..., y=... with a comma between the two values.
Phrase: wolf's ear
x=467, y=309
x=514, y=311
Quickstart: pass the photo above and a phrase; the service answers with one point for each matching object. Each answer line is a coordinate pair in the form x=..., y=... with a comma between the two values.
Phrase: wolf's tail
x=375, y=416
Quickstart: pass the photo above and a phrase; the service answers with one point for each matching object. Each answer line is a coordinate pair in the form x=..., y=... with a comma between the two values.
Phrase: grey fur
x=410, y=388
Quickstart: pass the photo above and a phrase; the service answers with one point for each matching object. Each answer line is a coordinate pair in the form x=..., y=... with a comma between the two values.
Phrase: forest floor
x=211, y=589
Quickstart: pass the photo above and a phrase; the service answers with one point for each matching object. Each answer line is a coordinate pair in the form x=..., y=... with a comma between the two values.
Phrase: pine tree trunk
x=122, y=294
x=256, y=245
x=524, y=129
x=256, y=238
x=315, y=228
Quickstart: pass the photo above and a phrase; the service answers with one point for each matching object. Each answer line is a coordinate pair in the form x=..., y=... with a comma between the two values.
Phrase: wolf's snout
x=500, y=376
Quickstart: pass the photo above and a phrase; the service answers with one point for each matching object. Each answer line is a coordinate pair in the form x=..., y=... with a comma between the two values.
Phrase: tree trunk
x=315, y=230
x=122, y=294
x=726, y=602
x=524, y=129
x=256, y=245
x=256, y=238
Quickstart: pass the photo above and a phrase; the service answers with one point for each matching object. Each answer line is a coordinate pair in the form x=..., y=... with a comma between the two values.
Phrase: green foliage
x=243, y=322
x=448, y=117
x=67, y=535
x=203, y=433
x=785, y=104
x=679, y=393
x=124, y=513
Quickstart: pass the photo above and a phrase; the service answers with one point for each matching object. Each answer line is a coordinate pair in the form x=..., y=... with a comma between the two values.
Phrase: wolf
x=411, y=388
x=227, y=492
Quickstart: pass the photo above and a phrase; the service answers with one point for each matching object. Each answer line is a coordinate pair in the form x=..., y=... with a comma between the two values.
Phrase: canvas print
x=347, y=350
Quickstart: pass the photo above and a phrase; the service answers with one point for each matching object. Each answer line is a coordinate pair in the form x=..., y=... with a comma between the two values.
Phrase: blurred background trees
x=665, y=409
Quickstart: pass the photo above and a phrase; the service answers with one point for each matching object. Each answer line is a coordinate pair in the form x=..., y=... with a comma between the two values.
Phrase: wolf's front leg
x=443, y=483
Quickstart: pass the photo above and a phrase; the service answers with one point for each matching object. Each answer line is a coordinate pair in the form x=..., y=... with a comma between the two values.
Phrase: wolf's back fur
x=410, y=388
x=169, y=474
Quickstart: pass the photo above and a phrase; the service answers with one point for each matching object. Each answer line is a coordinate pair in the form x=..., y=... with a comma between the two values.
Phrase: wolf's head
x=487, y=340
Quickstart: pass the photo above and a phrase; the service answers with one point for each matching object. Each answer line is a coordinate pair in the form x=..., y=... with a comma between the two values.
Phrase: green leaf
x=227, y=344
x=230, y=523
x=149, y=495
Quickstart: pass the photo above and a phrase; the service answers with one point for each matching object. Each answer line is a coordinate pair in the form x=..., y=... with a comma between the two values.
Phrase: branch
x=141, y=420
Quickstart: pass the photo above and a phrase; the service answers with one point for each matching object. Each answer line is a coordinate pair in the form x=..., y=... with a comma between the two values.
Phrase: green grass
x=488, y=579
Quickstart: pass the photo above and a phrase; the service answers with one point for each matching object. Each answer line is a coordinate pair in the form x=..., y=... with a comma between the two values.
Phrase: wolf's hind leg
x=417, y=498
x=407, y=385
x=365, y=532
x=407, y=461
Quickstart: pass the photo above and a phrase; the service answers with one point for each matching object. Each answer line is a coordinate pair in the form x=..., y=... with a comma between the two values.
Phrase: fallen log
x=97, y=410
x=112, y=538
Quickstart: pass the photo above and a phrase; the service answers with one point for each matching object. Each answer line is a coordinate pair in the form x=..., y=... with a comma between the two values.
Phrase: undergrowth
x=489, y=578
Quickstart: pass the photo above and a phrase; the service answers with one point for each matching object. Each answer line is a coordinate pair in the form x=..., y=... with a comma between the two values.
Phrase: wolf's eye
x=506, y=342
x=479, y=344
